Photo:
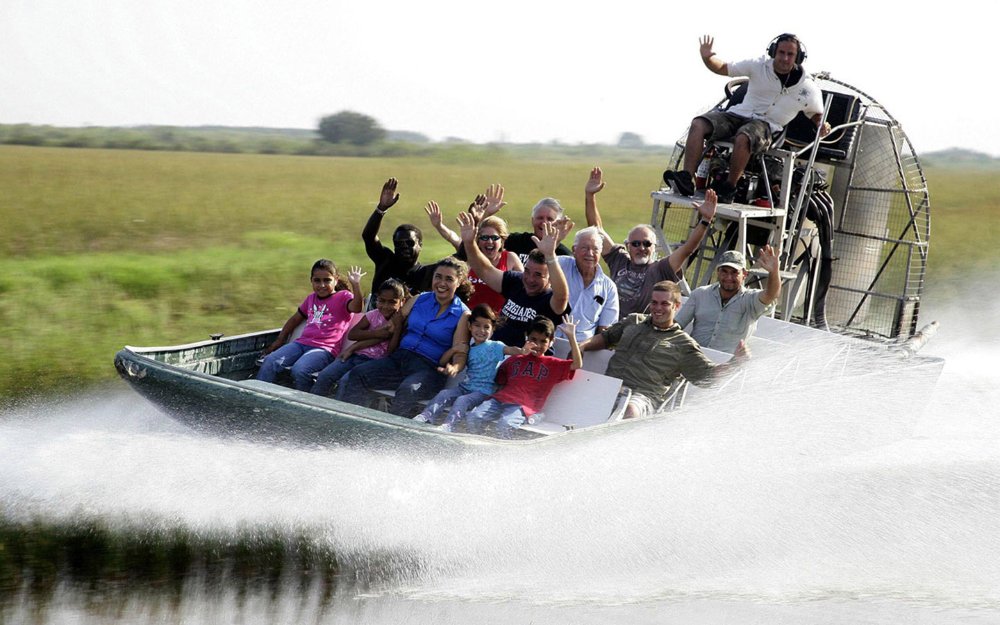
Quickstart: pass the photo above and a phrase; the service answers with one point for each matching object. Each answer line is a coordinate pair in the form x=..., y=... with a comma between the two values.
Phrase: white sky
x=518, y=70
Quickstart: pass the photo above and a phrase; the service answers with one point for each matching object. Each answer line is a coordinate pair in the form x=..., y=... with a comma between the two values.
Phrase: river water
x=874, y=502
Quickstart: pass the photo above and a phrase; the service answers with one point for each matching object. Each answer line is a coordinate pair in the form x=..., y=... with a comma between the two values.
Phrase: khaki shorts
x=725, y=126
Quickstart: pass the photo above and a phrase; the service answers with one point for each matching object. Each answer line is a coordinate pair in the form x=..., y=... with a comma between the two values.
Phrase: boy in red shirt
x=527, y=380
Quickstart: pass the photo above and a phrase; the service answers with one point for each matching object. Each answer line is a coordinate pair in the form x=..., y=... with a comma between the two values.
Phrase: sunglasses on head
x=489, y=237
x=646, y=244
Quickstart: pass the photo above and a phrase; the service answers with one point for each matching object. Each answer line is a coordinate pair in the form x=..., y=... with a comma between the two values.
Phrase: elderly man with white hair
x=592, y=294
x=634, y=269
x=546, y=211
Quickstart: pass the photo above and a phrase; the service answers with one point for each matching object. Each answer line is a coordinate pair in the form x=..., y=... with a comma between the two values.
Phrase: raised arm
x=769, y=261
x=484, y=269
x=369, y=235
x=557, y=279
x=354, y=276
x=594, y=186
x=568, y=328
x=706, y=213
x=449, y=235
x=710, y=59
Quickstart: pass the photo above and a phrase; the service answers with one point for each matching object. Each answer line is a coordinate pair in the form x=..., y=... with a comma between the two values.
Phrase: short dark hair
x=669, y=286
x=409, y=228
x=542, y=325
x=536, y=256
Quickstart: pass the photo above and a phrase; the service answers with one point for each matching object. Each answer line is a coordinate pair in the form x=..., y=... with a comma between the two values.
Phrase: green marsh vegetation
x=107, y=247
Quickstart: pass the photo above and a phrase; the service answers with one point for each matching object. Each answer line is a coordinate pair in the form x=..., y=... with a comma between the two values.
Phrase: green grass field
x=107, y=247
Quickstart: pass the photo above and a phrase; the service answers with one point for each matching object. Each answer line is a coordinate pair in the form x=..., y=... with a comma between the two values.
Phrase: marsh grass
x=103, y=248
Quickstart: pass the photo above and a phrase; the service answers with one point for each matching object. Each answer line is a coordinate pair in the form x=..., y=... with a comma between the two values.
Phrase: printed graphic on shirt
x=316, y=316
x=516, y=312
x=527, y=368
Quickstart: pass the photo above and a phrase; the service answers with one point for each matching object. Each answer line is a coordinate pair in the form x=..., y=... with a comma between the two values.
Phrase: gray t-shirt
x=635, y=282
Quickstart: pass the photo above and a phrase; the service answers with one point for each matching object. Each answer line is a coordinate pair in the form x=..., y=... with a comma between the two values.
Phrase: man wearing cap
x=725, y=313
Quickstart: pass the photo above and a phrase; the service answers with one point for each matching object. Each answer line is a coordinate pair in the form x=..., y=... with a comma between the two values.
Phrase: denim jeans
x=303, y=359
x=335, y=371
x=412, y=376
x=509, y=417
x=460, y=400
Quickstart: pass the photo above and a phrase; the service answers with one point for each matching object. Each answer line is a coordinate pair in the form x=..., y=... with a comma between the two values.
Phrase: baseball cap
x=732, y=258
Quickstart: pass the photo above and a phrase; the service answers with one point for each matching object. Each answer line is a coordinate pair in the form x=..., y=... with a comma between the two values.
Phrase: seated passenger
x=402, y=261
x=327, y=313
x=652, y=352
x=431, y=324
x=481, y=369
x=546, y=211
x=527, y=380
x=593, y=297
x=778, y=89
x=725, y=313
x=539, y=290
x=491, y=237
x=370, y=335
x=634, y=269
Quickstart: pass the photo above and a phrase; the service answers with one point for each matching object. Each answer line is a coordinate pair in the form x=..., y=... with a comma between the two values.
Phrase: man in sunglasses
x=400, y=262
x=633, y=267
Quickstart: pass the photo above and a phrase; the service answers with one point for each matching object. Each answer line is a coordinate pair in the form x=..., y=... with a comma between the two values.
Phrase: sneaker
x=726, y=193
x=421, y=418
x=682, y=182
x=444, y=427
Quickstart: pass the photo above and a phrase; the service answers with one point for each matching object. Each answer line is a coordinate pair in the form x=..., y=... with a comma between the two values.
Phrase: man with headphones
x=778, y=89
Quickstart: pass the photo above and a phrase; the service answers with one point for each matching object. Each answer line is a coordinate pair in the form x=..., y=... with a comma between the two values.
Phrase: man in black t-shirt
x=540, y=289
x=401, y=262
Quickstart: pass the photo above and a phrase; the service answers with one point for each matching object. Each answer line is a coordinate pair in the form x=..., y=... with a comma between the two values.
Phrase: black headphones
x=772, y=48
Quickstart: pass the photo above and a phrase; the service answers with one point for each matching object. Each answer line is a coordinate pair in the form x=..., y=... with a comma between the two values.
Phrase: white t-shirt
x=771, y=101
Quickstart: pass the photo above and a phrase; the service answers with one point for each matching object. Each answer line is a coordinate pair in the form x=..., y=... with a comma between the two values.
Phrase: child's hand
x=355, y=275
x=528, y=348
x=450, y=369
x=568, y=326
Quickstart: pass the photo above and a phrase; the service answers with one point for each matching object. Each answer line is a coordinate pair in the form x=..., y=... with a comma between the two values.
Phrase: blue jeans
x=413, y=377
x=304, y=360
x=511, y=417
x=460, y=400
x=334, y=371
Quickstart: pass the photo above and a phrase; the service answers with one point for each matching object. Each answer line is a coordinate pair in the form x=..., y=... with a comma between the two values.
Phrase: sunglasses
x=489, y=237
x=646, y=244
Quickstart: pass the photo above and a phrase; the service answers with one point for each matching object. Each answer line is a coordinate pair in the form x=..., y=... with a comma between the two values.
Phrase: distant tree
x=630, y=140
x=350, y=127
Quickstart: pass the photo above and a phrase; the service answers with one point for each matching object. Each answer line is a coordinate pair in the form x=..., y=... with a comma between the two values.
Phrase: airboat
x=849, y=216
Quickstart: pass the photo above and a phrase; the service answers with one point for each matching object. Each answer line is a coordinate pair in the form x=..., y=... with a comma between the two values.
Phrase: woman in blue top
x=434, y=323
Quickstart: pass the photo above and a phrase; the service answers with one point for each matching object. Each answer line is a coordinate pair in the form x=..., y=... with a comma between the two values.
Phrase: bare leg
x=741, y=156
x=694, y=147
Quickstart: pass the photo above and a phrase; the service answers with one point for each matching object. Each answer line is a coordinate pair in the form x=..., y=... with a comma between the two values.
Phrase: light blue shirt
x=593, y=305
x=481, y=369
x=717, y=326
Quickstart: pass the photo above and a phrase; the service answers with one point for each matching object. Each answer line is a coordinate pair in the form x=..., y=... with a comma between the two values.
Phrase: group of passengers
x=522, y=288
x=496, y=316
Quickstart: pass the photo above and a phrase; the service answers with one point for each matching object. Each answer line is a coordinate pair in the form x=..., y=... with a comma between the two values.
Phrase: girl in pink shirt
x=327, y=314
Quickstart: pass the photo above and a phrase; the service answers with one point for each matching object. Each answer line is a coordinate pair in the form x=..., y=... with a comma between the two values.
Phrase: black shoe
x=726, y=193
x=681, y=181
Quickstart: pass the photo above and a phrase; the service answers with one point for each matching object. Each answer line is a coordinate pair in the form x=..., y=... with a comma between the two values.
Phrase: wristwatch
x=706, y=223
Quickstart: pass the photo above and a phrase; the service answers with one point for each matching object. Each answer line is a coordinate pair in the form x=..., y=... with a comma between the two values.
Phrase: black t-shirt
x=520, y=310
x=416, y=277
x=521, y=244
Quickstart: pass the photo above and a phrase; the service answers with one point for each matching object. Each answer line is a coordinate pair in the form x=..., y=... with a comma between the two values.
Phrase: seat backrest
x=588, y=399
x=844, y=108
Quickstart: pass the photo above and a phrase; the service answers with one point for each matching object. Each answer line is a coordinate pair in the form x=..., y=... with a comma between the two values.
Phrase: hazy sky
x=518, y=70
